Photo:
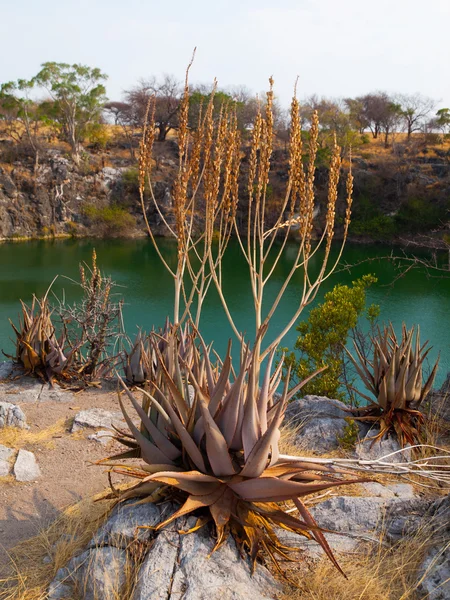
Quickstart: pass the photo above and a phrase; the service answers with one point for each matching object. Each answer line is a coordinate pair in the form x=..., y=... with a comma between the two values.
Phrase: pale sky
x=337, y=47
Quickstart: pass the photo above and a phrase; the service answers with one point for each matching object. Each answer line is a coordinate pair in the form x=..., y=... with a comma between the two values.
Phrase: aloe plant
x=214, y=449
x=394, y=377
x=37, y=346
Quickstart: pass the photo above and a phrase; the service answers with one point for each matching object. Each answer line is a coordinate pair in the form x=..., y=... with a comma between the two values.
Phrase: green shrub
x=379, y=227
x=417, y=214
x=109, y=221
x=349, y=436
x=324, y=334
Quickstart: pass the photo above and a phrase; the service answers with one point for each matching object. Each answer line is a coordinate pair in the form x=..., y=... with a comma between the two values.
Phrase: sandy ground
x=65, y=462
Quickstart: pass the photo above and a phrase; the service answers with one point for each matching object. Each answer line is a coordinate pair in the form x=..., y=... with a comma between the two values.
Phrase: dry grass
x=375, y=573
x=20, y=438
x=66, y=537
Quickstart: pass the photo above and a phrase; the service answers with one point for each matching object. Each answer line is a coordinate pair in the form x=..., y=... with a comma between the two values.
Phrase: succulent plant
x=37, y=346
x=394, y=377
x=141, y=364
x=213, y=448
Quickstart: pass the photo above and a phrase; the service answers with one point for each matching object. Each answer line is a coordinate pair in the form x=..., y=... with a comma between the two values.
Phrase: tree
x=414, y=110
x=390, y=119
x=77, y=97
x=21, y=114
x=125, y=117
x=167, y=93
x=374, y=108
x=334, y=120
x=442, y=120
x=324, y=334
x=357, y=113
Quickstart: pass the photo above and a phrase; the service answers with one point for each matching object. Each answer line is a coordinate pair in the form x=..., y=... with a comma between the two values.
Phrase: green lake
x=27, y=268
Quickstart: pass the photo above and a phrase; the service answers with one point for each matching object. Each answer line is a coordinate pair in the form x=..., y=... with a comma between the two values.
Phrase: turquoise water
x=27, y=268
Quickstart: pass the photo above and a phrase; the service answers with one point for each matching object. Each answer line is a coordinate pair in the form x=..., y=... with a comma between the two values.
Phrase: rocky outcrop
x=174, y=566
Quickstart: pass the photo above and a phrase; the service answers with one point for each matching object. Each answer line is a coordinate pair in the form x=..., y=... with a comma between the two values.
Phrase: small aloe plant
x=37, y=346
x=394, y=377
x=209, y=441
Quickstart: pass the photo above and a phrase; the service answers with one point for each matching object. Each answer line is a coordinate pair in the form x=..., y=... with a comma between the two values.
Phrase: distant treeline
x=75, y=108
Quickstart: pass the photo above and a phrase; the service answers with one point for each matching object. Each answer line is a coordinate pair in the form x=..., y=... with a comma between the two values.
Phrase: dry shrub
x=19, y=438
x=66, y=537
x=375, y=573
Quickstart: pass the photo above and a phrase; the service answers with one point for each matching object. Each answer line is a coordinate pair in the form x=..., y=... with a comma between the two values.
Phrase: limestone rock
x=12, y=415
x=102, y=437
x=179, y=566
x=5, y=452
x=26, y=467
x=435, y=568
x=368, y=450
x=120, y=528
x=349, y=513
x=316, y=406
x=97, y=418
x=97, y=574
x=322, y=422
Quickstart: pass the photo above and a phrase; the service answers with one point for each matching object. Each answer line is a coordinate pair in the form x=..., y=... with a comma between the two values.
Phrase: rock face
x=97, y=418
x=435, y=568
x=176, y=566
x=12, y=416
x=26, y=467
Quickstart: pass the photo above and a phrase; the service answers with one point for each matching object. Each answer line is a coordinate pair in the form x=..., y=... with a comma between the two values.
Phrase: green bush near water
x=324, y=334
x=110, y=220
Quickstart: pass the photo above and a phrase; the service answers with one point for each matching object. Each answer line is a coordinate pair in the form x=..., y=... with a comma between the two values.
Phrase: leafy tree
x=442, y=120
x=324, y=334
x=21, y=114
x=77, y=97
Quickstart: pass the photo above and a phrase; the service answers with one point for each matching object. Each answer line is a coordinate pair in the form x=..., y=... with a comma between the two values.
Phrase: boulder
x=321, y=422
x=5, y=455
x=387, y=447
x=26, y=467
x=97, y=418
x=12, y=415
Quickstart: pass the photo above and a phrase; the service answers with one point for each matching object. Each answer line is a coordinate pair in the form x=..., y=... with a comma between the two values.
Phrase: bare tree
x=415, y=109
x=167, y=94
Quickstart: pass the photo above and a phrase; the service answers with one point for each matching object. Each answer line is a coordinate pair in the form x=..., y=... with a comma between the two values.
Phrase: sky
x=337, y=48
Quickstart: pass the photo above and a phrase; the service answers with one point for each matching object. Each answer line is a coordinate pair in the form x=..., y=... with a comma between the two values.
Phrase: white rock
x=367, y=449
x=5, y=468
x=97, y=418
x=102, y=437
x=26, y=467
x=12, y=415
x=5, y=452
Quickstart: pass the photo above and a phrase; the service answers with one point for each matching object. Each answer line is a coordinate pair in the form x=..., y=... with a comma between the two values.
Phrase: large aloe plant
x=210, y=442
x=394, y=377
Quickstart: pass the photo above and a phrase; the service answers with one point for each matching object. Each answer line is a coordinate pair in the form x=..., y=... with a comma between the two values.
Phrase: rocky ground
x=50, y=437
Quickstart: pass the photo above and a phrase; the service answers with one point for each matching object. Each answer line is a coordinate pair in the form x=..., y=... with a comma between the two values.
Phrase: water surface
x=27, y=268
